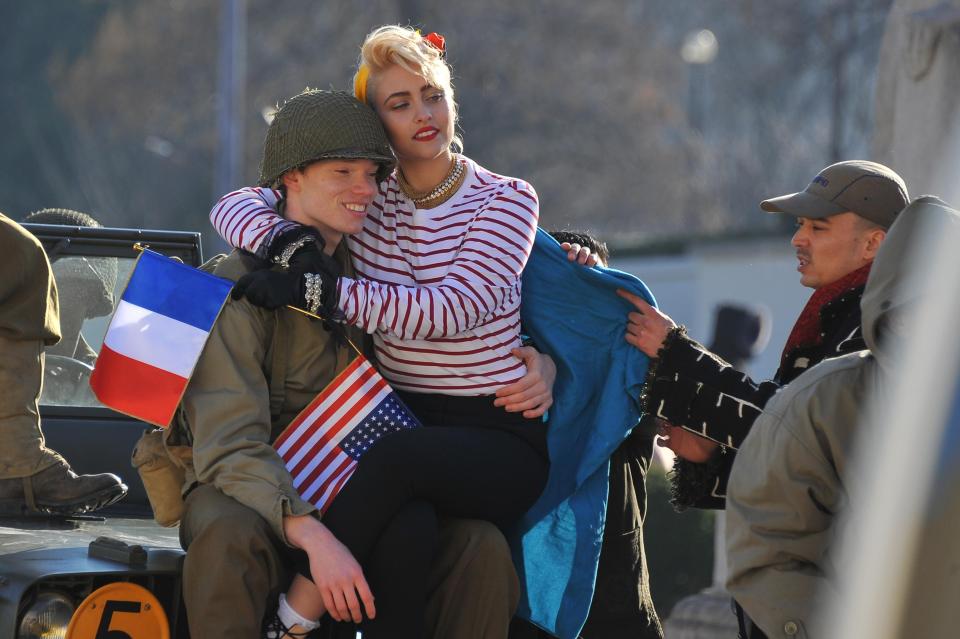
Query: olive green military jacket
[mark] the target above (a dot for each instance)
(788, 488)
(29, 320)
(227, 409)
(787, 491)
(29, 309)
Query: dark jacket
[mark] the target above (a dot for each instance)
(691, 387)
(622, 604)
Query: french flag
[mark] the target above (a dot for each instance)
(155, 337)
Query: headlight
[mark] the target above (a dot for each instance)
(47, 617)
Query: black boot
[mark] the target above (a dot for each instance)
(57, 490)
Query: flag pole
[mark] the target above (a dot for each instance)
(315, 316)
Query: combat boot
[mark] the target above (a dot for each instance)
(57, 490)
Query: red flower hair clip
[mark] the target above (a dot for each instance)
(437, 41)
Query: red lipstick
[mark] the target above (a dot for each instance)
(426, 134)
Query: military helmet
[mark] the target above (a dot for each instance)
(323, 125)
(97, 276)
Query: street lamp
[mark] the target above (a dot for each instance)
(699, 47)
(698, 50)
(231, 94)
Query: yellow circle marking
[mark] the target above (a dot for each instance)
(119, 610)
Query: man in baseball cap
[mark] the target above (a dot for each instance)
(842, 218)
(871, 190)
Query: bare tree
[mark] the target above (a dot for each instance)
(587, 101)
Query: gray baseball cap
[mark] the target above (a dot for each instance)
(872, 191)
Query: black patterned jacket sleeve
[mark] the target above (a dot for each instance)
(691, 387)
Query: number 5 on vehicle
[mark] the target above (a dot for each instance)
(119, 611)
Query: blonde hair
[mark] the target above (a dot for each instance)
(403, 46)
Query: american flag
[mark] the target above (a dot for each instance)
(322, 444)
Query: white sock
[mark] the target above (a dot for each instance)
(291, 617)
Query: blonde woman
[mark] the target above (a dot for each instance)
(438, 265)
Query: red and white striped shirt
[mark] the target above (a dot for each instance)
(438, 288)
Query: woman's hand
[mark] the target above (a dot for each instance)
(333, 569)
(532, 393)
(647, 329)
(685, 444)
(579, 254)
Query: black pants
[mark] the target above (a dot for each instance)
(471, 460)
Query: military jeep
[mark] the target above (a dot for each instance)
(115, 573)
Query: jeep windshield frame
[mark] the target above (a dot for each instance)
(70, 429)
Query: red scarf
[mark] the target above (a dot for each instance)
(806, 332)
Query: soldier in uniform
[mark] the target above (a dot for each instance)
(245, 526)
(85, 286)
(34, 478)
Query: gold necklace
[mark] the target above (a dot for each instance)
(440, 193)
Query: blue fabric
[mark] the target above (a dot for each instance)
(173, 289)
(574, 314)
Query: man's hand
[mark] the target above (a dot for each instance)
(648, 328)
(532, 393)
(685, 444)
(579, 254)
(333, 569)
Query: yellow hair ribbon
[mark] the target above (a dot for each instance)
(360, 83)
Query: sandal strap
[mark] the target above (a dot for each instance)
(277, 626)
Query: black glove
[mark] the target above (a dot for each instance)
(301, 249)
(270, 289)
(273, 288)
(296, 239)
(311, 259)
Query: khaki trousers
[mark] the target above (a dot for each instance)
(21, 376)
(236, 567)
(474, 589)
